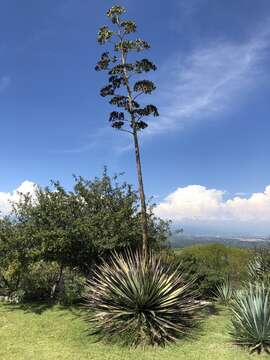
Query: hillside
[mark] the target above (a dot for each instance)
(180, 241)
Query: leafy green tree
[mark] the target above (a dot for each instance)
(112, 217)
(47, 220)
(125, 87)
(75, 229)
(15, 256)
(109, 212)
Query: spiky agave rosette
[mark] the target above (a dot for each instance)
(224, 292)
(251, 317)
(141, 300)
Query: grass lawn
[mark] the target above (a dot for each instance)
(38, 332)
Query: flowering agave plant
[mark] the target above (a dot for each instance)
(126, 86)
(251, 317)
(137, 298)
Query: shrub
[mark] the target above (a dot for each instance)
(141, 300)
(212, 264)
(251, 317)
(38, 281)
(73, 287)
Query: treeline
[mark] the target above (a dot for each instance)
(52, 239)
(212, 264)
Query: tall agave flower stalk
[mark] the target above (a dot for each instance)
(251, 318)
(140, 300)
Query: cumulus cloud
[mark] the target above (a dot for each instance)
(7, 198)
(196, 204)
(208, 80)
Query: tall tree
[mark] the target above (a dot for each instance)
(125, 85)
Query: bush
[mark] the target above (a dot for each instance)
(141, 300)
(251, 318)
(212, 264)
(37, 282)
(74, 284)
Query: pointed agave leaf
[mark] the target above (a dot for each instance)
(251, 317)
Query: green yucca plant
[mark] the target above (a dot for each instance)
(224, 292)
(251, 317)
(143, 301)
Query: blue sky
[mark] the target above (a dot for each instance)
(213, 96)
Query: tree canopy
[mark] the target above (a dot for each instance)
(73, 229)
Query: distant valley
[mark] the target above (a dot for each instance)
(182, 240)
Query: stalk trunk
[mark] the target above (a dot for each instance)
(137, 153)
(141, 192)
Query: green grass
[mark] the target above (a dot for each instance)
(39, 332)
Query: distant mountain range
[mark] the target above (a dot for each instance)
(182, 240)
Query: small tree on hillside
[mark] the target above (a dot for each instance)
(125, 87)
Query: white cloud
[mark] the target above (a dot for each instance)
(6, 198)
(208, 81)
(196, 204)
(4, 83)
